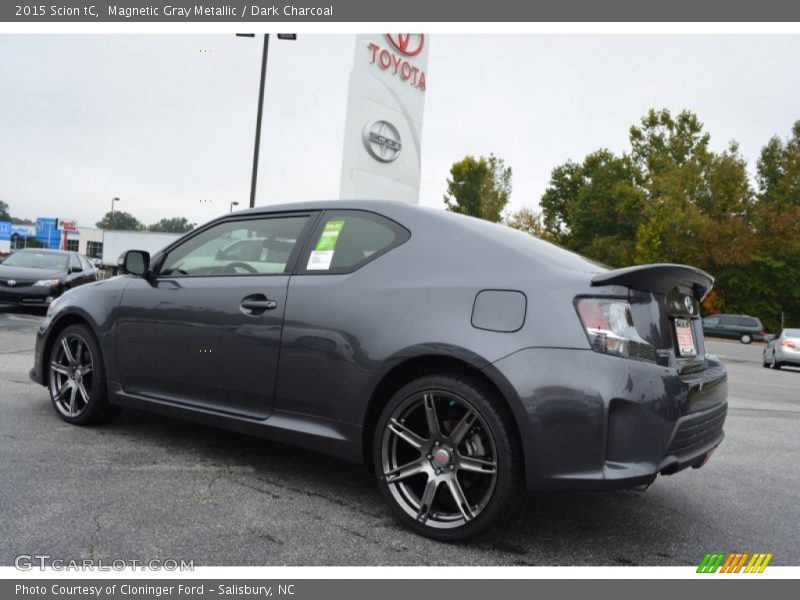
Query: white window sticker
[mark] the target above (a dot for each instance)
(320, 260)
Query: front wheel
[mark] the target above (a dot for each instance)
(76, 378)
(447, 457)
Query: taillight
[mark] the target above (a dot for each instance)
(761, 332)
(788, 344)
(609, 326)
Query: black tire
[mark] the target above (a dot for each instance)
(461, 403)
(746, 338)
(73, 404)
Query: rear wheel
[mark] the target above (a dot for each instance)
(76, 378)
(775, 363)
(745, 338)
(447, 458)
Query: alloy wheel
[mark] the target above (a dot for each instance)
(439, 459)
(71, 375)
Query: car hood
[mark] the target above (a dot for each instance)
(28, 273)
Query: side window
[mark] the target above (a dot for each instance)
(258, 246)
(74, 263)
(727, 320)
(346, 240)
(712, 320)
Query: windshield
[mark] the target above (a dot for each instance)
(37, 260)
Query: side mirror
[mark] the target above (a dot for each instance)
(134, 262)
(78, 269)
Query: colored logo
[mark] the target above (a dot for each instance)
(735, 562)
(382, 140)
(409, 44)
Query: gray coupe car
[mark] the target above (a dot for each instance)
(461, 360)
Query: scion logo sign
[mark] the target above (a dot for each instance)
(409, 44)
(382, 140)
(395, 60)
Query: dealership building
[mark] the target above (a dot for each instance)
(50, 232)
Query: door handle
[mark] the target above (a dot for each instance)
(257, 303)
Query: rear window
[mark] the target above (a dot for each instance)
(792, 332)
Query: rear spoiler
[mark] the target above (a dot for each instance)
(661, 278)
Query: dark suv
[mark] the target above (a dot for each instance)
(738, 327)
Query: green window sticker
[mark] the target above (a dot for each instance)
(322, 256)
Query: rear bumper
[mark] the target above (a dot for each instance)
(593, 421)
(787, 357)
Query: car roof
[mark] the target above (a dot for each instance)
(461, 227)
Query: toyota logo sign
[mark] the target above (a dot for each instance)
(11, 282)
(409, 44)
(382, 140)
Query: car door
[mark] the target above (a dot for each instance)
(329, 338)
(728, 327)
(76, 274)
(711, 326)
(206, 331)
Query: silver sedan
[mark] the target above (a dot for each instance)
(783, 350)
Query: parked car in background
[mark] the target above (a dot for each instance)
(35, 277)
(463, 360)
(744, 328)
(783, 350)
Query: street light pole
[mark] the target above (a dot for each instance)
(254, 180)
(233, 204)
(113, 201)
(262, 83)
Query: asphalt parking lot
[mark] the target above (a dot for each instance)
(152, 487)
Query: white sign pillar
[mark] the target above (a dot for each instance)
(383, 126)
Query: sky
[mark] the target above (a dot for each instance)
(166, 122)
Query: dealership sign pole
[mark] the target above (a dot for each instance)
(383, 126)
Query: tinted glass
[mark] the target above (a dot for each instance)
(747, 322)
(347, 240)
(241, 247)
(50, 261)
(711, 320)
(728, 321)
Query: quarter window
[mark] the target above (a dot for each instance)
(346, 240)
(240, 247)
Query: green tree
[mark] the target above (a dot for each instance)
(778, 171)
(479, 187)
(119, 220)
(530, 221)
(595, 207)
(172, 225)
(5, 215)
